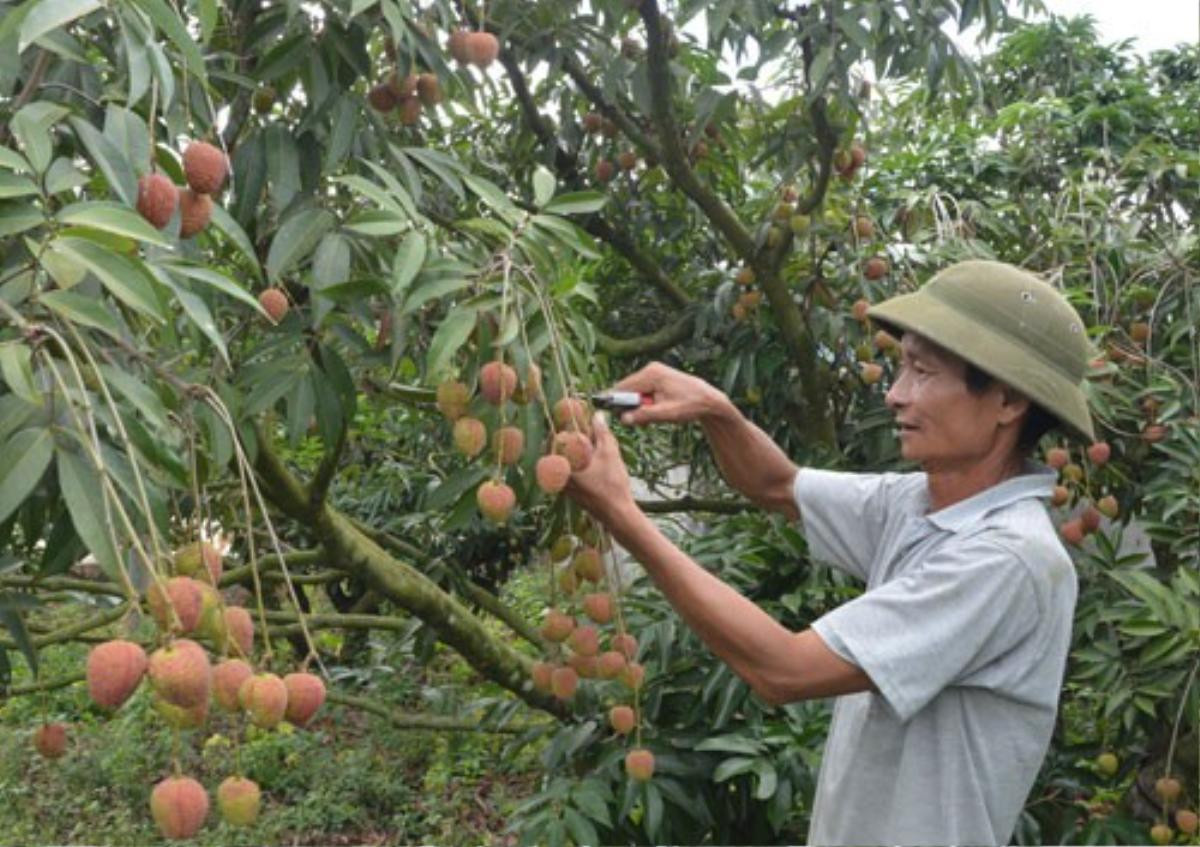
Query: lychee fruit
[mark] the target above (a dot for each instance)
(531, 387)
(1161, 834)
(563, 682)
(639, 764)
(864, 228)
(50, 740)
(195, 211)
(745, 276)
(205, 167)
(610, 664)
(212, 616)
(1099, 452)
(157, 199)
(568, 580)
(496, 501)
(584, 640)
(875, 267)
(410, 110)
(1139, 331)
(627, 160)
(305, 694)
(1107, 764)
(192, 717)
(507, 444)
(592, 123)
(605, 170)
(264, 99)
(201, 560)
(576, 447)
(1060, 495)
(1167, 788)
(228, 677)
(264, 696)
(589, 564)
(799, 223)
(557, 625)
(571, 413)
(482, 48)
(1057, 457)
(1090, 517)
(553, 473)
(497, 382)
(588, 667)
(453, 398)
(456, 45)
(541, 673)
(859, 309)
(114, 670)
(402, 86)
(870, 372)
(181, 594)
(633, 676)
(1072, 472)
(274, 303)
(179, 806)
(180, 673)
(598, 607)
(1186, 820)
(622, 719)
(382, 98)
(240, 627)
(884, 341)
(625, 644)
(238, 800)
(1153, 433)
(1072, 532)
(469, 436)
(429, 89)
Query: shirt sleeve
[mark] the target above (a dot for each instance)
(844, 515)
(957, 612)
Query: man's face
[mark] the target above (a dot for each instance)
(943, 425)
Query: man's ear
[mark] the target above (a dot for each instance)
(1014, 405)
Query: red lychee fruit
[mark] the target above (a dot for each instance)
(507, 444)
(585, 640)
(1060, 496)
(469, 436)
(50, 740)
(497, 382)
(239, 627)
(576, 447)
(884, 341)
(1057, 457)
(180, 673)
(541, 676)
(572, 414)
(410, 110)
(610, 664)
(402, 86)
(457, 46)
(557, 625)
(626, 645)
(605, 170)
(553, 473)
(1186, 821)
(622, 718)
(876, 267)
(563, 682)
(1099, 452)
(205, 167)
(179, 806)
(592, 123)
(180, 593)
(859, 309)
(1108, 506)
(496, 501)
(157, 199)
(482, 48)
(639, 764)
(1072, 531)
(589, 564)
(429, 89)
(1090, 518)
(264, 696)
(382, 98)
(453, 398)
(114, 671)
(627, 160)
(195, 211)
(633, 676)
(228, 677)
(201, 560)
(598, 607)
(238, 800)
(1167, 788)
(274, 303)
(745, 276)
(870, 372)
(305, 694)
(588, 667)
(864, 228)
(192, 717)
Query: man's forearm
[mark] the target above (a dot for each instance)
(749, 460)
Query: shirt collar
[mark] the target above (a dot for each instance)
(1036, 480)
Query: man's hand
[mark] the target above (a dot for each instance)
(676, 397)
(602, 488)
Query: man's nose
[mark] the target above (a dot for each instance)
(896, 395)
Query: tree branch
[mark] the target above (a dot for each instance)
(645, 345)
(693, 504)
(435, 723)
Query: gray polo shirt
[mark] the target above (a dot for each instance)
(964, 628)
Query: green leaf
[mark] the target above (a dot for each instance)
(122, 276)
(732, 767)
(490, 194)
(12, 160)
(407, 264)
(84, 493)
(85, 310)
(577, 203)
(543, 186)
(18, 217)
(283, 167)
(15, 185)
(768, 778)
(52, 14)
(173, 27)
(14, 622)
(216, 280)
(18, 373)
(114, 218)
(731, 743)
(454, 331)
(137, 393)
(654, 811)
(111, 161)
(23, 460)
(581, 828)
(232, 230)
(296, 239)
(198, 312)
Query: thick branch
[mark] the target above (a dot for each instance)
(693, 504)
(436, 723)
(645, 345)
(35, 79)
(318, 489)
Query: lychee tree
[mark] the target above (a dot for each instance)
(335, 277)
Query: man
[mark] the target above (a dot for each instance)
(947, 668)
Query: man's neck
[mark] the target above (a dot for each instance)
(951, 485)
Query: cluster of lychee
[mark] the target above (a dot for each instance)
(184, 682)
(575, 633)
(570, 447)
(1169, 790)
(205, 168)
(606, 169)
(1073, 476)
(406, 94)
(847, 160)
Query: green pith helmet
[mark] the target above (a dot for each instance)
(1009, 324)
